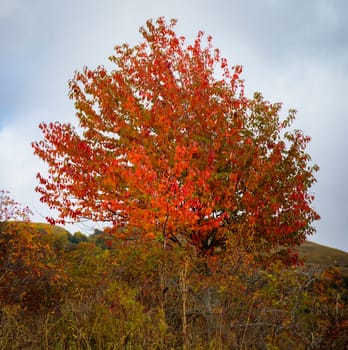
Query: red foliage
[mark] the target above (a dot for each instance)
(172, 148)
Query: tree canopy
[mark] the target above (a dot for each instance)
(170, 148)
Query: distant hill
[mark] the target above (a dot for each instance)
(48, 229)
(318, 254)
(42, 228)
(314, 253)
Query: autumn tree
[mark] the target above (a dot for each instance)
(170, 148)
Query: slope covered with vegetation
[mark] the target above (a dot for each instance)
(319, 254)
(98, 293)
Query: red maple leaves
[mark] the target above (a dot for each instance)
(168, 149)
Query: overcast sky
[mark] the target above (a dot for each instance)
(293, 51)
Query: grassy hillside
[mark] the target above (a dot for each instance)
(42, 228)
(314, 253)
(318, 254)
(48, 229)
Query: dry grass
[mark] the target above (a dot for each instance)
(314, 253)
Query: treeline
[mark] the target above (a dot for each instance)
(71, 291)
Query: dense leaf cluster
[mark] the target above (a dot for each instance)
(169, 148)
